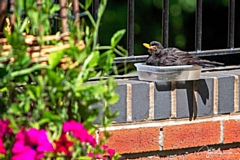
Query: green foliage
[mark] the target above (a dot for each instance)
(54, 58)
(44, 96)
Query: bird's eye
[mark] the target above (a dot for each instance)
(154, 47)
(154, 44)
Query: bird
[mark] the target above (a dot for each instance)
(160, 56)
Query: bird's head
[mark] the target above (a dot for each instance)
(154, 46)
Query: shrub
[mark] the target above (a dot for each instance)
(47, 103)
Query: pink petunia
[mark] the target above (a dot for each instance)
(79, 132)
(31, 145)
(2, 148)
(72, 126)
(111, 152)
(98, 156)
(4, 127)
(105, 147)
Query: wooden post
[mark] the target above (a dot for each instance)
(63, 13)
(3, 11)
(76, 12)
(12, 16)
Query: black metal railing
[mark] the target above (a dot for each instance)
(165, 32)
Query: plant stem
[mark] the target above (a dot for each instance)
(29, 70)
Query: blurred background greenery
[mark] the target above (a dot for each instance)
(148, 23)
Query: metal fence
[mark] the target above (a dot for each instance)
(165, 32)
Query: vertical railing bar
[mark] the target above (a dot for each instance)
(130, 28)
(198, 26)
(95, 4)
(231, 20)
(54, 20)
(165, 23)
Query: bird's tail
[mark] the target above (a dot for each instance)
(207, 63)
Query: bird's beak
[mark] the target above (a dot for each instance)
(149, 47)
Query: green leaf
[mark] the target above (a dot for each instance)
(4, 89)
(27, 106)
(54, 8)
(84, 158)
(34, 16)
(117, 37)
(51, 116)
(43, 121)
(43, 17)
(24, 24)
(106, 60)
(94, 61)
(101, 8)
(93, 115)
(14, 109)
(91, 61)
(30, 93)
(88, 4)
(28, 70)
(113, 99)
(3, 72)
(54, 58)
(29, 3)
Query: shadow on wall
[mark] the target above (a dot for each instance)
(190, 98)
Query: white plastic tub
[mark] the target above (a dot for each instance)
(168, 73)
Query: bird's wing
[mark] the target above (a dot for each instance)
(177, 57)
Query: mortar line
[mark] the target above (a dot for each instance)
(97, 136)
(221, 131)
(236, 93)
(129, 102)
(173, 100)
(195, 99)
(215, 95)
(172, 122)
(161, 138)
(151, 101)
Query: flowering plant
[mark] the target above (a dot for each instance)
(48, 111)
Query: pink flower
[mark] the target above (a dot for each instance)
(79, 132)
(105, 147)
(31, 145)
(98, 156)
(2, 149)
(4, 127)
(111, 152)
(91, 154)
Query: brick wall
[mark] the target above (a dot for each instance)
(178, 120)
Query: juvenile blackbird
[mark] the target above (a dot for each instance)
(160, 56)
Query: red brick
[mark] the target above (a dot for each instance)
(134, 140)
(231, 131)
(191, 135)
